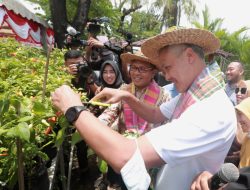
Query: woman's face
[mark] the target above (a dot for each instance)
(141, 73)
(109, 74)
(241, 93)
(244, 121)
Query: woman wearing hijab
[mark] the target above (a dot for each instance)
(110, 75)
(243, 116)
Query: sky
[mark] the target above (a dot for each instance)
(234, 12)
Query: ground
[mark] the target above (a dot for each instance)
(85, 181)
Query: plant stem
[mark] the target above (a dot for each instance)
(46, 73)
(20, 164)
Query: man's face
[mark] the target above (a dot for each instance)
(71, 61)
(233, 72)
(141, 73)
(71, 65)
(176, 68)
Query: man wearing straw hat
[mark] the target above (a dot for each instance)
(201, 119)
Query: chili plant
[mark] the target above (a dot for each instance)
(24, 116)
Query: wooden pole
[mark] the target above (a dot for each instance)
(20, 164)
(46, 73)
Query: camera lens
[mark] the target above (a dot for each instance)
(83, 70)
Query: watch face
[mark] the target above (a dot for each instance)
(71, 114)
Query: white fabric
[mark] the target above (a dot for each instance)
(199, 140)
(2, 13)
(21, 30)
(134, 173)
(24, 32)
(50, 39)
(167, 108)
(36, 35)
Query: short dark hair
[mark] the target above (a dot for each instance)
(71, 54)
(197, 49)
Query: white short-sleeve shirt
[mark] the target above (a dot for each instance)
(199, 140)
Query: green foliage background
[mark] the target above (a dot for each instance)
(23, 113)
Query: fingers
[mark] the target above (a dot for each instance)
(72, 69)
(99, 96)
(201, 182)
(64, 97)
(94, 43)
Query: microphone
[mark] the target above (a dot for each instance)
(227, 173)
(71, 31)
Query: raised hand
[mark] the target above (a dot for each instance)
(110, 95)
(64, 97)
(72, 69)
(92, 42)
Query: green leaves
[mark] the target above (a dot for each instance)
(26, 118)
(22, 109)
(20, 131)
(76, 137)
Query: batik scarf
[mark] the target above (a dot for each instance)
(206, 84)
(131, 119)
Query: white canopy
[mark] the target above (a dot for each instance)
(19, 8)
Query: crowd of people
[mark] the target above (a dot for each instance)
(181, 133)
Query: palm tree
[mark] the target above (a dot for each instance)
(170, 11)
(208, 24)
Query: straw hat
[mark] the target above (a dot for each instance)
(244, 107)
(203, 38)
(127, 58)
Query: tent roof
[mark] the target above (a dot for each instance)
(18, 7)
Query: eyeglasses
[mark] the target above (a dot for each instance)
(140, 69)
(241, 90)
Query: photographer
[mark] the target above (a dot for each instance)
(85, 79)
(99, 49)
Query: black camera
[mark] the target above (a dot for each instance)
(94, 27)
(83, 70)
(73, 38)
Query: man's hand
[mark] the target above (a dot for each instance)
(72, 69)
(201, 181)
(64, 97)
(92, 42)
(111, 96)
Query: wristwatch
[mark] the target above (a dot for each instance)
(73, 113)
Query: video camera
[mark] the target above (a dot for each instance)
(93, 27)
(73, 38)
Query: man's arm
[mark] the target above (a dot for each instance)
(151, 114)
(108, 144)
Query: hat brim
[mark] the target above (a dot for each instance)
(127, 58)
(202, 38)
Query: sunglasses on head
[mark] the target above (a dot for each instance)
(241, 90)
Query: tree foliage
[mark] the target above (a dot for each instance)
(169, 11)
(236, 42)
